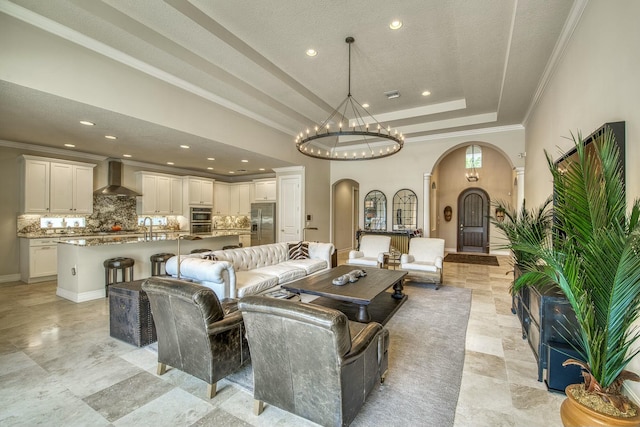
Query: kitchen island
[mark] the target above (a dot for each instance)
(81, 274)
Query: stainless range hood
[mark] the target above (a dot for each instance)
(114, 183)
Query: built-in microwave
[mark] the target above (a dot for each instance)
(201, 220)
(201, 214)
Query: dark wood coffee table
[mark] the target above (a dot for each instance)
(362, 301)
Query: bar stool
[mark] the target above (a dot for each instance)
(197, 251)
(157, 261)
(111, 267)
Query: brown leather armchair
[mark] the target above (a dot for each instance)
(312, 361)
(196, 333)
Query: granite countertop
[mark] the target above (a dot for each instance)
(100, 240)
(171, 234)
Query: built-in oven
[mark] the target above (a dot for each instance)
(201, 220)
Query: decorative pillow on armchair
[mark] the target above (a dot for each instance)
(298, 250)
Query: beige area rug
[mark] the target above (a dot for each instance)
(425, 361)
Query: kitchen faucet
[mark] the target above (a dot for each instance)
(148, 236)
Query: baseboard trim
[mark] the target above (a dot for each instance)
(80, 297)
(10, 278)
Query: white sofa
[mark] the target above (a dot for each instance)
(253, 270)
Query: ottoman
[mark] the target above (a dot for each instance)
(130, 318)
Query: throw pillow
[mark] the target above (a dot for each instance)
(298, 250)
(211, 257)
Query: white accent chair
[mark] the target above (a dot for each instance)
(372, 251)
(424, 261)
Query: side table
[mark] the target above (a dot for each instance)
(392, 260)
(130, 317)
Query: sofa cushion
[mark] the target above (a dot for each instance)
(284, 273)
(420, 266)
(298, 250)
(370, 261)
(252, 282)
(309, 265)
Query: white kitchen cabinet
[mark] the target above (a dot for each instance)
(239, 199)
(71, 188)
(265, 190)
(56, 186)
(221, 198)
(198, 191)
(176, 196)
(35, 185)
(38, 259)
(161, 194)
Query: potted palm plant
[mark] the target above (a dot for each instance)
(532, 225)
(592, 256)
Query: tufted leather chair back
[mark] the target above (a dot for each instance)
(255, 256)
(305, 362)
(196, 333)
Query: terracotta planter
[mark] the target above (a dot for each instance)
(574, 414)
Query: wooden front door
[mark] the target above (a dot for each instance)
(473, 221)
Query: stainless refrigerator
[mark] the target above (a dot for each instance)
(263, 223)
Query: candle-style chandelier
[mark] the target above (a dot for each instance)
(349, 133)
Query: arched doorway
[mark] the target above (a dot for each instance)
(473, 221)
(346, 214)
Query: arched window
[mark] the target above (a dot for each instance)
(473, 159)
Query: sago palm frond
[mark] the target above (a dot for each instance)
(593, 256)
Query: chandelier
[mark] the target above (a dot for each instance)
(349, 133)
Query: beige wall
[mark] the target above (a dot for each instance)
(407, 168)
(495, 179)
(595, 82)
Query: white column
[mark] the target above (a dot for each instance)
(519, 188)
(426, 208)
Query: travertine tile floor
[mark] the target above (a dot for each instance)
(58, 362)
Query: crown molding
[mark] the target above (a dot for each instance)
(51, 150)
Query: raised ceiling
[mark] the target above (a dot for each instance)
(482, 61)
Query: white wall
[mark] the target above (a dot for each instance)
(595, 82)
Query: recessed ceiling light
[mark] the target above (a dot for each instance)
(261, 169)
(210, 168)
(211, 158)
(426, 93)
(69, 145)
(184, 146)
(87, 123)
(395, 24)
(311, 52)
(126, 155)
(244, 161)
(231, 172)
(365, 105)
(110, 137)
(170, 163)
